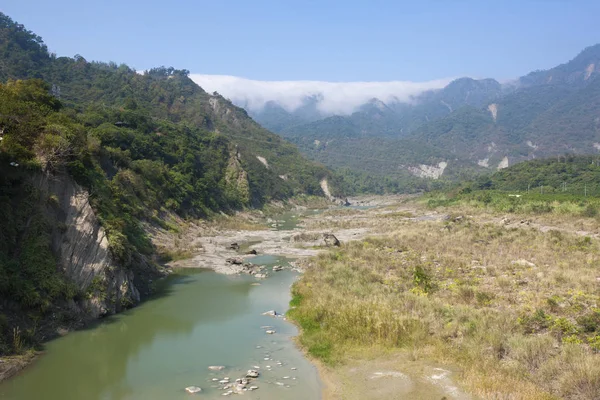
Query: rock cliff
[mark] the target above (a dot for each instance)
(81, 247)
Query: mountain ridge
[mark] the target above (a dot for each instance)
(478, 121)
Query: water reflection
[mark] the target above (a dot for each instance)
(93, 363)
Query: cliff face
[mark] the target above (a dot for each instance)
(237, 178)
(82, 250)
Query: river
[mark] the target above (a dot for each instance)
(198, 319)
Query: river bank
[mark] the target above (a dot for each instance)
(456, 303)
(215, 249)
(300, 234)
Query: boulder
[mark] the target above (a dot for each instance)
(271, 313)
(253, 252)
(523, 263)
(239, 388)
(330, 240)
(193, 389)
(234, 246)
(277, 268)
(252, 373)
(216, 367)
(234, 261)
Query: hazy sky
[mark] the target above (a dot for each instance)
(319, 40)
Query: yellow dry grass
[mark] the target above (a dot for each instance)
(515, 308)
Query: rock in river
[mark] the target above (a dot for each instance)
(252, 373)
(193, 389)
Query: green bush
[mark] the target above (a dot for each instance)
(590, 322)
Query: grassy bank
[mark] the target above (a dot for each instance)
(516, 309)
(518, 202)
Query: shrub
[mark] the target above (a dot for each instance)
(536, 322)
(422, 279)
(590, 322)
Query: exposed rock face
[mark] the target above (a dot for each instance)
(493, 109)
(530, 144)
(263, 161)
(325, 189)
(588, 71)
(484, 162)
(82, 250)
(429, 171)
(236, 178)
(503, 164)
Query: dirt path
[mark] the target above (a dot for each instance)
(392, 377)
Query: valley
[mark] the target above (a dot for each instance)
(475, 126)
(319, 229)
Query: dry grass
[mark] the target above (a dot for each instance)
(297, 202)
(235, 223)
(516, 309)
(379, 220)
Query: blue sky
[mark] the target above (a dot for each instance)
(319, 40)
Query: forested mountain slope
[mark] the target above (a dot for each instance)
(89, 151)
(470, 121)
(571, 174)
(551, 112)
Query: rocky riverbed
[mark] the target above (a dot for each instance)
(202, 320)
(231, 251)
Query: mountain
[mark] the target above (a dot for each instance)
(276, 118)
(575, 73)
(375, 134)
(550, 112)
(467, 123)
(377, 118)
(92, 156)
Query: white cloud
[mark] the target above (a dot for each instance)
(335, 97)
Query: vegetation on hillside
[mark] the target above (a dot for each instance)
(564, 185)
(545, 113)
(142, 145)
(548, 113)
(378, 165)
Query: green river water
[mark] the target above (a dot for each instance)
(157, 349)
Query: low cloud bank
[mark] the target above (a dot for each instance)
(333, 97)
